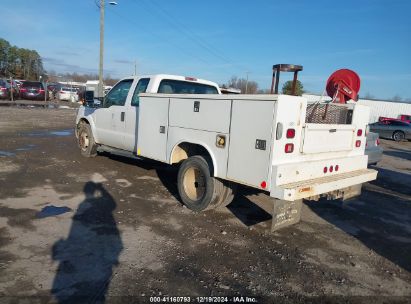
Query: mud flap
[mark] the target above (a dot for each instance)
(351, 192)
(285, 213)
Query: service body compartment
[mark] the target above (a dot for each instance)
(318, 138)
(251, 141)
(153, 128)
(200, 114)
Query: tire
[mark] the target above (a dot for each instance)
(86, 143)
(228, 194)
(398, 136)
(198, 189)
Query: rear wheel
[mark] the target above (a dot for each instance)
(87, 145)
(398, 136)
(198, 189)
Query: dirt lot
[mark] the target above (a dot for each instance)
(122, 236)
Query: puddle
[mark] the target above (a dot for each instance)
(66, 132)
(62, 133)
(6, 153)
(52, 211)
(26, 148)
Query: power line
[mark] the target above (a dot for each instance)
(183, 50)
(174, 22)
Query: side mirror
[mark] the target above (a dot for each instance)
(90, 101)
(89, 96)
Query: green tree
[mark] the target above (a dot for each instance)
(19, 62)
(288, 85)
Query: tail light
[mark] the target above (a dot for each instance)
(337, 167)
(61, 92)
(3, 89)
(23, 90)
(377, 142)
(41, 91)
(359, 132)
(331, 168)
(325, 170)
(358, 143)
(290, 133)
(289, 148)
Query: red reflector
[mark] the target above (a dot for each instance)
(331, 168)
(359, 132)
(263, 184)
(337, 167)
(289, 148)
(325, 169)
(377, 142)
(290, 133)
(358, 143)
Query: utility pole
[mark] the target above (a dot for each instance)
(246, 83)
(100, 70)
(135, 67)
(12, 88)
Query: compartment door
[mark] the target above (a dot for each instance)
(251, 141)
(153, 128)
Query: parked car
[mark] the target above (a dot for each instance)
(32, 90)
(14, 88)
(69, 94)
(393, 129)
(373, 148)
(5, 89)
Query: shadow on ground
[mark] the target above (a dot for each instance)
(91, 250)
(244, 209)
(380, 219)
(399, 153)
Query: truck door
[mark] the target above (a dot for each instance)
(110, 119)
(132, 115)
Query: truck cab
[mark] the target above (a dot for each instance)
(115, 122)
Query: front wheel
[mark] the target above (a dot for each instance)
(198, 189)
(87, 145)
(398, 136)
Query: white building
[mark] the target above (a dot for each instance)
(378, 107)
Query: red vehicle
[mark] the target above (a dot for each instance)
(381, 118)
(406, 118)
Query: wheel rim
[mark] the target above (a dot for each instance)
(84, 141)
(194, 184)
(397, 136)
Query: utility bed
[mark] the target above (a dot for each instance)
(269, 144)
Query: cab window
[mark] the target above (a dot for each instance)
(168, 86)
(118, 94)
(140, 88)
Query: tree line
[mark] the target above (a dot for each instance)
(251, 87)
(19, 63)
(76, 77)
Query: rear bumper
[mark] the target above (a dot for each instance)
(322, 185)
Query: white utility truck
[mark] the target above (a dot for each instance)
(275, 143)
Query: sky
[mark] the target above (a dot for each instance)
(216, 40)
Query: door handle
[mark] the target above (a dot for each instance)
(123, 114)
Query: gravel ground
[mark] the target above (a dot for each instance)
(112, 229)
